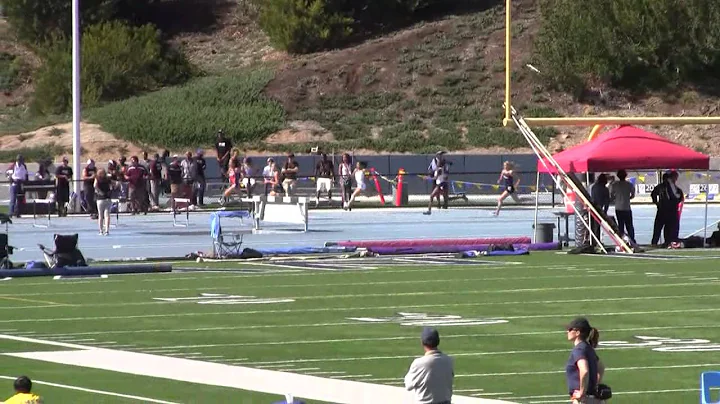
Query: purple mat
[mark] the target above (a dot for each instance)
(457, 248)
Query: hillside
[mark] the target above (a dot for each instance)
(436, 84)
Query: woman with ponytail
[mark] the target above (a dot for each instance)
(584, 369)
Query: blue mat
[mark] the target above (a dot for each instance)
(306, 250)
(85, 271)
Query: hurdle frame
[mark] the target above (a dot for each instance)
(46, 201)
(260, 202)
(187, 213)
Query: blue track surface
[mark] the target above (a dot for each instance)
(155, 236)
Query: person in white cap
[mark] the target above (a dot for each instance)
(430, 377)
(88, 178)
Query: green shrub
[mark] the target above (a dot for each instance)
(10, 70)
(117, 61)
(49, 151)
(638, 44)
(189, 115)
(37, 21)
(301, 26)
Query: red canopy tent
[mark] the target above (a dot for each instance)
(629, 148)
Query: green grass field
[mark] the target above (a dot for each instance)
(520, 359)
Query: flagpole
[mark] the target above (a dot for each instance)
(76, 96)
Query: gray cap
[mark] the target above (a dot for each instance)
(430, 337)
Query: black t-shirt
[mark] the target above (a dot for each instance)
(89, 171)
(222, 146)
(174, 172)
(200, 166)
(289, 175)
(66, 171)
(325, 169)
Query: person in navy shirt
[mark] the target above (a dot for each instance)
(584, 370)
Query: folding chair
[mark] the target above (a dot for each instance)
(227, 245)
(5, 251)
(66, 253)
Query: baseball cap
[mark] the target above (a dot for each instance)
(580, 323)
(430, 337)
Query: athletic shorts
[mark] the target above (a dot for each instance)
(324, 184)
(361, 186)
(510, 189)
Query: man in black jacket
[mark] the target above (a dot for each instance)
(667, 197)
(600, 195)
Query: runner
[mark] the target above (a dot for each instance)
(509, 185)
(440, 177)
(360, 186)
(346, 171)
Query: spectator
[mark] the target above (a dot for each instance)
(155, 169)
(23, 394)
(103, 185)
(659, 223)
(18, 177)
(63, 176)
(42, 174)
(188, 174)
(223, 148)
(601, 199)
(248, 176)
(136, 177)
(346, 171)
(622, 192)
(289, 173)
(677, 198)
(88, 178)
(430, 377)
(198, 197)
(325, 177)
(584, 370)
(268, 175)
(175, 178)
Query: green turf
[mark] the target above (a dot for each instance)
(521, 360)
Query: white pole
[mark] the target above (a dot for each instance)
(707, 196)
(76, 95)
(537, 203)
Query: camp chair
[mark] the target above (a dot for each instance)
(66, 253)
(228, 245)
(5, 252)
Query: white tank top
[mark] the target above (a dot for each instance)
(360, 177)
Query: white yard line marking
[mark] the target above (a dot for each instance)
(332, 309)
(191, 314)
(217, 374)
(709, 326)
(104, 393)
(504, 393)
(345, 323)
(325, 373)
(468, 390)
(350, 376)
(277, 366)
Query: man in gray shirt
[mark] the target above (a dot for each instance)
(622, 192)
(430, 377)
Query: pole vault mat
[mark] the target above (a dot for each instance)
(368, 263)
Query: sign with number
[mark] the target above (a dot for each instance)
(696, 189)
(644, 188)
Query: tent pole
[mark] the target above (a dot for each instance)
(537, 203)
(707, 196)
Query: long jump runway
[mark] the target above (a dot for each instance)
(154, 235)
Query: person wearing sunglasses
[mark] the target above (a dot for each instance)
(584, 370)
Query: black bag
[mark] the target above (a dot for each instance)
(500, 247)
(603, 392)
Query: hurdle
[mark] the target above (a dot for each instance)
(49, 203)
(186, 201)
(278, 209)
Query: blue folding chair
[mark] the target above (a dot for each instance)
(709, 380)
